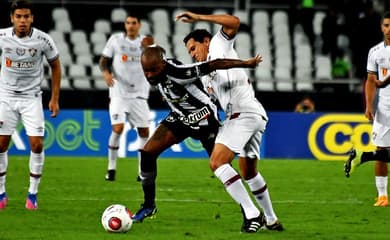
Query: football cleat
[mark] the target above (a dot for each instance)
(31, 201)
(138, 179)
(276, 226)
(110, 175)
(353, 161)
(382, 201)
(144, 212)
(252, 225)
(3, 200)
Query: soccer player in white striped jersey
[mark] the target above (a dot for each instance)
(23, 51)
(246, 120)
(128, 88)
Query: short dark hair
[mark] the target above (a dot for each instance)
(198, 35)
(20, 4)
(134, 15)
(386, 15)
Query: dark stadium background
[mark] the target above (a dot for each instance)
(328, 97)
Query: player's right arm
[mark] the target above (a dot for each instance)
(104, 64)
(370, 92)
(229, 23)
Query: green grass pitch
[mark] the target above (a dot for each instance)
(313, 199)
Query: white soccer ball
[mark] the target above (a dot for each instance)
(117, 218)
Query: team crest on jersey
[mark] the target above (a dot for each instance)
(33, 52)
(20, 51)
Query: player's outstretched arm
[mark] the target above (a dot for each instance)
(223, 63)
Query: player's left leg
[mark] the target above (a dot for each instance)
(381, 179)
(259, 189)
(143, 135)
(4, 142)
(33, 120)
(36, 162)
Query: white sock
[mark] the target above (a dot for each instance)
(3, 169)
(234, 186)
(142, 142)
(259, 189)
(113, 144)
(36, 167)
(381, 185)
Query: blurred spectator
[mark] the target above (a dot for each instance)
(341, 67)
(366, 34)
(330, 31)
(306, 16)
(306, 105)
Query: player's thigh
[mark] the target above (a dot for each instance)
(381, 128)
(9, 117)
(117, 110)
(138, 113)
(31, 113)
(236, 133)
(162, 139)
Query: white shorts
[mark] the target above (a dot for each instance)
(135, 110)
(381, 126)
(243, 134)
(29, 111)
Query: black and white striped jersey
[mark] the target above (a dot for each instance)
(184, 92)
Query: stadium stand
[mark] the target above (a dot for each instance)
(289, 64)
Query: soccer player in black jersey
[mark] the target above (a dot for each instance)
(193, 113)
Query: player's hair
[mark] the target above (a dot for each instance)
(386, 15)
(134, 15)
(198, 35)
(21, 4)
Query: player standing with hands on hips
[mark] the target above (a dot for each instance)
(128, 88)
(244, 125)
(23, 49)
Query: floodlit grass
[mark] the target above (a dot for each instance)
(313, 199)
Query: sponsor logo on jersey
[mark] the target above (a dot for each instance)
(195, 116)
(15, 64)
(126, 58)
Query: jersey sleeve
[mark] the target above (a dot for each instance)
(108, 50)
(371, 64)
(50, 49)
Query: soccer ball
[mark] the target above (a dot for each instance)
(117, 218)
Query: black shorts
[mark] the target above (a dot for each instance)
(205, 134)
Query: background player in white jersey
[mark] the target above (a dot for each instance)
(246, 120)
(378, 76)
(128, 88)
(24, 48)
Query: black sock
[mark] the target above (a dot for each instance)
(149, 194)
(379, 155)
